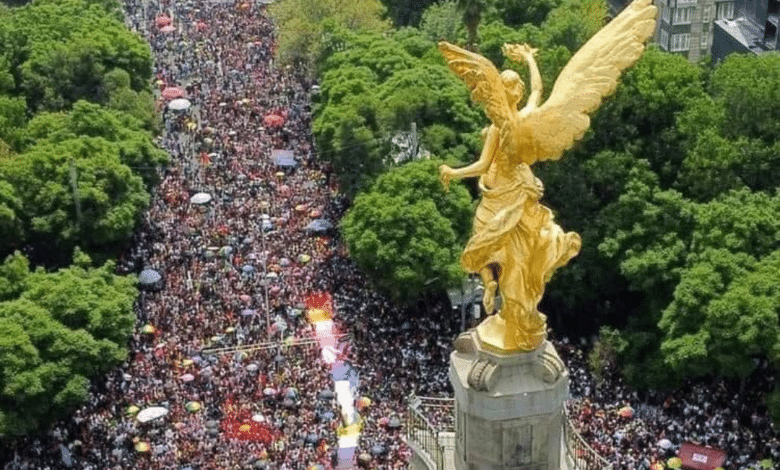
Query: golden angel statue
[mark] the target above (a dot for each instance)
(516, 245)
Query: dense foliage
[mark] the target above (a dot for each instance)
(76, 163)
(406, 233)
(60, 330)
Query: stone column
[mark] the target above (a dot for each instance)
(508, 408)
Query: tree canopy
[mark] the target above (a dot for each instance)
(60, 330)
(406, 233)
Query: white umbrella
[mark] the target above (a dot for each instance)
(151, 413)
(179, 104)
(200, 198)
(665, 444)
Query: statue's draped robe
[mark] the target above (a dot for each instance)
(512, 229)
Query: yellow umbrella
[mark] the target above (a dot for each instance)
(280, 174)
(192, 406)
(363, 403)
(674, 462)
(187, 362)
(657, 466)
(142, 447)
(149, 329)
(191, 125)
(132, 409)
(245, 428)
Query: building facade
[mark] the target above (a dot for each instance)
(686, 26)
(754, 30)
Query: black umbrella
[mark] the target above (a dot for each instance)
(327, 395)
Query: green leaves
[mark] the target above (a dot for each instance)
(59, 330)
(406, 233)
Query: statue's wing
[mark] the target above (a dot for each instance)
(589, 76)
(484, 81)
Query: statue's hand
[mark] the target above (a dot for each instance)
(489, 297)
(519, 52)
(445, 175)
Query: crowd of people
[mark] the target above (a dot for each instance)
(237, 271)
(716, 414)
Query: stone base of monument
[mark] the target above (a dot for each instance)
(508, 408)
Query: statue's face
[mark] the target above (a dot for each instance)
(515, 94)
(514, 87)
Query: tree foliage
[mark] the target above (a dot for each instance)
(60, 51)
(406, 233)
(60, 330)
(303, 25)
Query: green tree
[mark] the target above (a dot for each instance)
(472, 11)
(62, 330)
(406, 233)
(303, 25)
(441, 21)
(75, 192)
(60, 50)
(131, 136)
(516, 13)
(407, 12)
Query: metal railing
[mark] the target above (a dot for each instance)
(580, 454)
(423, 427)
(428, 417)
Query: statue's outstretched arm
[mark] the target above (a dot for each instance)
(536, 83)
(477, 168)
(524, 53)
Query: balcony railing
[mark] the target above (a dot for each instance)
(429, 417)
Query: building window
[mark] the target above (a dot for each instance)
(680, 42)
(663, 40)
(665, 13)
(725, 10)
(704, 40)
(683, 15)
(706, 14)
(681, 3)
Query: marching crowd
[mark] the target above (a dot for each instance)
(233, 278)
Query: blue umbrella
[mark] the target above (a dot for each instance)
(327, 416)
(248, 311)
(319, 225)
(248, 268)
(149, 277)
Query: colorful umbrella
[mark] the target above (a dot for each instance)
(273, 120)
(315, 213)
(168, 29)
(626, 412)
(142, 447)
(304, 258)
(300, 208)
(187, 362)
(674, 462)
(363, 403)
(148, 329)
(172, 92)
(162, 20)
(192, 406)
(657, 466)
(187, 377)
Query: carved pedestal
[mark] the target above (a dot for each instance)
(508, 408)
